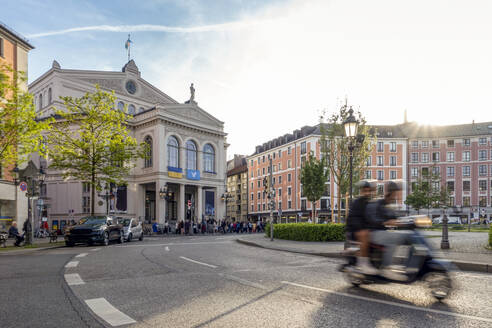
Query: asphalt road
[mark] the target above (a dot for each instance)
(212, 281)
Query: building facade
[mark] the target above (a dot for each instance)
(14, 51)
(237, 189)
(187, 156)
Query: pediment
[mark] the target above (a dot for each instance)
(194, 114)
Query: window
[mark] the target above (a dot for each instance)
(327, 191)
(482, 155)
(435, 157)
(303, 147)
(121, 106)
(414, 172)
(450, 185)
(380, 175)
(450, 171)
(368, 174)
(393, 147)
(252, 196)
(466, 171)
(482, 141)
(86, 187)
(451, 202)
(148, 157)
(436, 186)
(40, 101)
(415, 144)
(251, 162)
(482, 185)
(466, 185)
(324, 204)
(280, 205)
(482, 170)
(289, 164)
(1, 48)
(263, 171)
(259, 207)
(86, 204)
(273, 181)
(393, 161)
(289, 191)
(482, 201)
(279, 154)
(252, 208)
(450, 156)
(435, 143)
(259, 183)
(50, 96)
(274, 155)
(303, 205)
(303, 161)
(289, 177)
(172, 152)
(425, 157)
(259, 195)
(132, 110)
(415, 157)
(289, 204)
(466, 200)
(380, 146)
(393, 175)
(425, 171)
(380, 189)
(425, 144)
(369, 161)
(259, 159)
(279, 166)
(450, 143)
(279, 192)
(436, 170)
(280, 179)
(466, 142)
(289, 150)
(466, 156)
(380, 160)
(208, 158)
(263, 159)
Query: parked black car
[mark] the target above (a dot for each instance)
(94, 229)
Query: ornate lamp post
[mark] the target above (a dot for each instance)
(351, 125)
(15, 174)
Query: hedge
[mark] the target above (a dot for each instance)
(490, 235)
(308, 231)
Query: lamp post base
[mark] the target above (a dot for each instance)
(444, 244)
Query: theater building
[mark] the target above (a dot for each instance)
(184, 178)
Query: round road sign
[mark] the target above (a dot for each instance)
(23, 186)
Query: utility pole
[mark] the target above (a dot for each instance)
(271, 197)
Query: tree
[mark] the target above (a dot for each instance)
(90, 142)
(313, 179)
(334, 147)
(20, 132)
(427, 191)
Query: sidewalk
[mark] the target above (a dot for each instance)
(467, 249)
(40, 243)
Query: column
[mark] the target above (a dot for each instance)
(160, 205)
(199, 203)
(219, 209)
(181, 203)
(140, 202)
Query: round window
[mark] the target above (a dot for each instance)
(131, 87)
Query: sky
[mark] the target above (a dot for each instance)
(268, 67)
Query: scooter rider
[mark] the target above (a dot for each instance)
(357, 226)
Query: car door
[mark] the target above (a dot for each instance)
(111, 228)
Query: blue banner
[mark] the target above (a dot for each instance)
(175, 169)
(192, 174)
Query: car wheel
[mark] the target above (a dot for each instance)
(69, 244)
(141, 236)
(106, 239)
(122, 238)
(130, 236)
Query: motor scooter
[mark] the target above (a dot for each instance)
(420, 264)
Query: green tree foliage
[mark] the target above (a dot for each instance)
(313, 179)
(90, 141)
(427, 192)
(20, 132)
(335, 149)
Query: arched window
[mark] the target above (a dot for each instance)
(131, 109)
(121, 106)
(208, 158)
(173, 152)
(40, 101)
(148, 158)
(190, 155)
(50, 99)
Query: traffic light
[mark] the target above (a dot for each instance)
(265, 182)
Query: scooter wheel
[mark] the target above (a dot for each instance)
(439, 284)
(354, 279)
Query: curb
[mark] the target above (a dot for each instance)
(27, 251)
(465, 266)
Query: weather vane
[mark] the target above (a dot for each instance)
(127, 46)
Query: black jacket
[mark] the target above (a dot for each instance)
(377, 213)
(13, 232)
(357, 215)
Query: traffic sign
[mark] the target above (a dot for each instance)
(23, 186)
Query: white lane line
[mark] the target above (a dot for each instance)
(178, 244)
(167, 249)
(108, 313)
(209, 265)
(82, 255)
(95, 249)
(406, 306)
(72, 264)
(73, 279)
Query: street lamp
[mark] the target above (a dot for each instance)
(165, 193)
(15, 174)
(105, 196)
(351, 126)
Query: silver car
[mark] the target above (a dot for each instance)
(132, 228)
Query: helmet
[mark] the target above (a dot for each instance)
(366, 184)
(393, 186)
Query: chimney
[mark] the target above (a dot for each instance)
(405, 117)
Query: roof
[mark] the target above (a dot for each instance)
(237, 170)
(15, 35)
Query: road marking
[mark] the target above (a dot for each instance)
(407, 306)
(82, 255)
(209, 265)
(243, 281)
(108, 313)
(167, 249)
(72, 264)
(95, 249)
(177, 244)
(73, 279)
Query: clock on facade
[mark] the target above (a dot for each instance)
(131, 87)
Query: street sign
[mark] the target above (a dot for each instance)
(23, 186)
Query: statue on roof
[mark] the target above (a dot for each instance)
(192, 95)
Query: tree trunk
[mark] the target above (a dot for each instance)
(339, 204)
(93, 193)
(313, 211)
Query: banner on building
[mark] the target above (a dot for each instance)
(209, 203)
(193, 174)
(174, 172)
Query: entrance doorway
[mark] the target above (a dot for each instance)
(149, 206)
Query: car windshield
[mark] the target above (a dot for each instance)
(93, 220)
(124, 222)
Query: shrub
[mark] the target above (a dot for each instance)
(308, 231)
(490, 235)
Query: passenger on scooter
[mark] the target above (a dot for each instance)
(357, 226)
(379, 216)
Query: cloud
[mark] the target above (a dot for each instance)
(230, 26)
